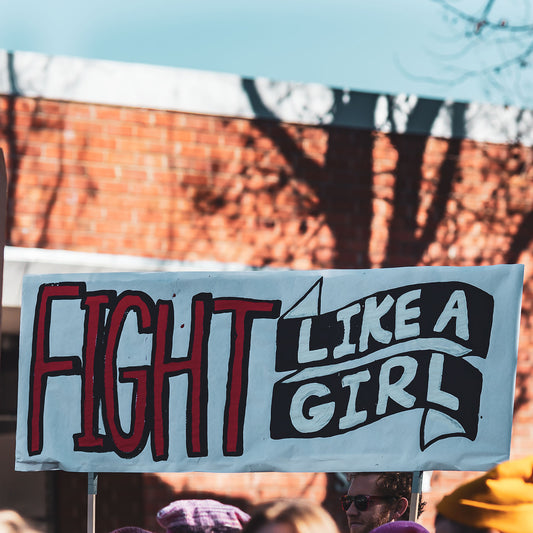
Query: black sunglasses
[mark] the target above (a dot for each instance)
(361, 501)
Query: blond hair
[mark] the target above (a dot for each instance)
(301, 516)
(12, 522)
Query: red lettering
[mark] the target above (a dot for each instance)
(105, 317)
(195, 365)
(94, 305)
(42, 365)
(244, 312)
(126, 444)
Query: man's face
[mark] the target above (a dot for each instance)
(378, 513)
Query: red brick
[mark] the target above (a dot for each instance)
(113, 179)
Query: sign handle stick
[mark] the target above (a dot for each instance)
(416, 492)
(91, 501)
(3, 217)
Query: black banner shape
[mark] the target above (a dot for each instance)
(395, 360)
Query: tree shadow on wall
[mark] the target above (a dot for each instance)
(408, 240)
(521, 240)
(521, 390)
(344, 183)
(18, 149)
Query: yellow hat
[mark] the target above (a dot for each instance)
(501, 499)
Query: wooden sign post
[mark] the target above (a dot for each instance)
(416, 493)
(92, 488)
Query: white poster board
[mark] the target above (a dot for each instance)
(403, 369)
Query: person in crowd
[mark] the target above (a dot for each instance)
(130, 529)
(374, 499)
(201, 516)
(291, 516)
(12, 522)
(401, 526)
(500, 501)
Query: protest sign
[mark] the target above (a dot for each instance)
(370, 370)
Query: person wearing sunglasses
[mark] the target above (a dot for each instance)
(374, 499)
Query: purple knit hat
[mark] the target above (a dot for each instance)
(130, 529)
(401, 526)
(201, 515)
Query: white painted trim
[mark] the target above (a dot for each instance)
(19, 262)
(195, 91)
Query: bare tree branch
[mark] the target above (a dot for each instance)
(492, 43)
(482, 21)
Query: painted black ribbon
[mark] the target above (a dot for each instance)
(417, 364)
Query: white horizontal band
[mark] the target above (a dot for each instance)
(194, 91)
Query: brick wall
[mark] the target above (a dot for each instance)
(175, 185)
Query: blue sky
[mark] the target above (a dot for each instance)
(371, 45)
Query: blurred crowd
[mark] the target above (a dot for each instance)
(499, 501)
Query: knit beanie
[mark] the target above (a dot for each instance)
(400, 526)
(196, 516)
(501, 499)
(130, 529)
